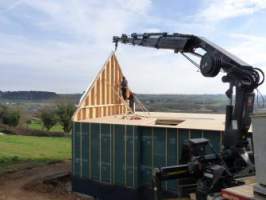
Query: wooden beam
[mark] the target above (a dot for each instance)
(108, 77)
(92, 95)
(103, 86)
(98, 92)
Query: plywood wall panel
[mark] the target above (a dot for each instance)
(103, 98)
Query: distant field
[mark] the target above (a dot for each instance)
(184, 103)
(37, 125)
(17, 150)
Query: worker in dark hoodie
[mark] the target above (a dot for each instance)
(131, 100)
(124, 88)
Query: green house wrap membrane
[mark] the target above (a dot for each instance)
(125, 155)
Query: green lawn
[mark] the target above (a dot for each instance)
(37, 125)
(16, 150)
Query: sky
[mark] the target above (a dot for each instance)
(60, 45)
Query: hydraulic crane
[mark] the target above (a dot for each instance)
(210, 171)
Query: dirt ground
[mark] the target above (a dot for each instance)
(32, 183)
(50, 182)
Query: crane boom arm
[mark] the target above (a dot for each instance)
(177, 42)
(239, 74)
(212, 172)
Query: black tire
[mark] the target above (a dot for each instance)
(202, 189)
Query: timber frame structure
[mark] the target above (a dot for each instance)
(103, 98)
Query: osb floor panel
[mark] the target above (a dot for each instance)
(191, 120)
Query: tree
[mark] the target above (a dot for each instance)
(64, 112)
(28, 123)
(11, 117)
(3, 110)
(48, 118)
(25, 117)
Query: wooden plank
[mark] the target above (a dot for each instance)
(83, 114)
(119, 109)
(87, 101)
(100, 89)
(104, 111)
(109, 111)
(79, 116)
(94, 112)
(117, 83)
(90, 113)
(116, 109)
(108, 83)
(112, 81)
(92, 95)
(112, 110)
(119, 79)
(103, 87)
(98, 92)
(101, 111)
(122, 109)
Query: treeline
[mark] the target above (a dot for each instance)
(49, 117)
(27, 95)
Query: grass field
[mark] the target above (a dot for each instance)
(18, 150)
(37, 125)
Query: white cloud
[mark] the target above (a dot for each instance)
(5, 6)
(138, 7)
(162, 71)
(69, 64)
(223, 9)
(91, 19)
(251, 48)
(46, 66)
(90, 26)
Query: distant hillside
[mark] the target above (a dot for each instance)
(28, 95)
(37, 96)
(184, 103)
(32, 101)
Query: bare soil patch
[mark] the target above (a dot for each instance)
(50, 182)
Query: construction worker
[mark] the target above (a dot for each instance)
(123, 86)
(131, 101)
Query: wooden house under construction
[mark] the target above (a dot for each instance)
(115, 150)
